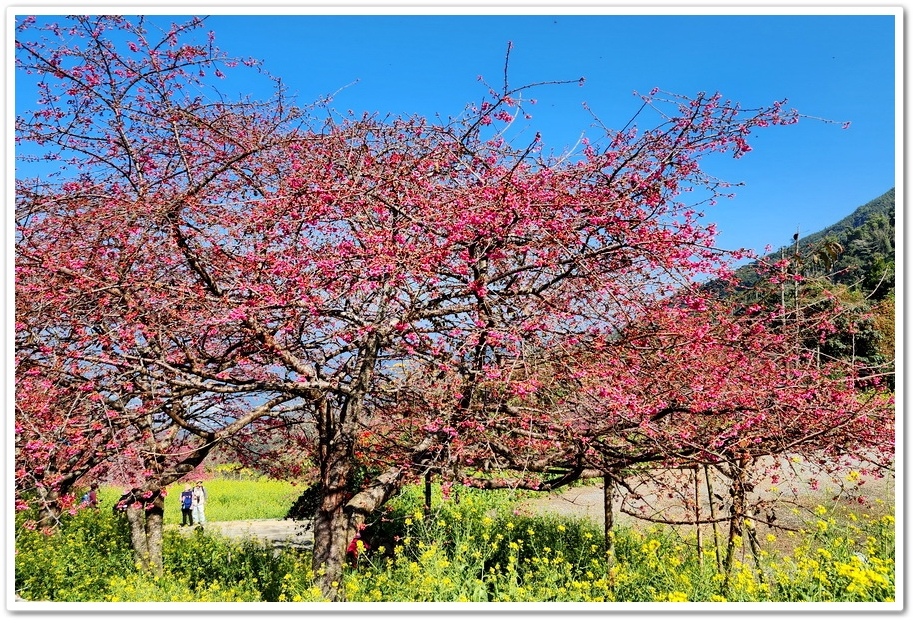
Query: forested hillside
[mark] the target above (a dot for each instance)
(857, 251)
(853, 262)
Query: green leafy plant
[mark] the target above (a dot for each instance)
(472, 546)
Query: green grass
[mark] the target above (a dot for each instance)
(237, 500)
(228, 499)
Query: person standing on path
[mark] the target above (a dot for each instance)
(198, 500)
(187, 498)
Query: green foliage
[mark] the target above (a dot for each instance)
(204, 560)
(306, 505)
(868, 261)
(88, 560)
(475, 548)
(75, 562)
(469, 547)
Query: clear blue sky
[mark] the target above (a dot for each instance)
(803, 177)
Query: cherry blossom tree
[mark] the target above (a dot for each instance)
(114, 134)
(58, 440)
(393, 289)
(677, 389)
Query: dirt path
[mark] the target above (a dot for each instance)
(279, 533)
(782, 500)
(786, 502)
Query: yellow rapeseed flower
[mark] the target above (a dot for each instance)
(676, 596)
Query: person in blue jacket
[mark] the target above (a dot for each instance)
(186, 499)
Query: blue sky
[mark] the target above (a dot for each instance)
(803, 177)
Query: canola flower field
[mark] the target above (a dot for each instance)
(471, 547)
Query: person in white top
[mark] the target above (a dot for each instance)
(198, 500)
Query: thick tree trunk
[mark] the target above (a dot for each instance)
(49, 509)
(338, 423)
(154, 538)
(136, 520)
(339, 512)
(330, 551)
(145, 508)
(337, 529)
(146, 533)
(331, 525)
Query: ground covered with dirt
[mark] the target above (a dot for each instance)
(671, 500)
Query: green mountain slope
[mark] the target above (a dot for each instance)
(857, 251)
(853, 260)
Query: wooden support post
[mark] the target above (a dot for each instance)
(712, 515)
(609, 490)
(696, 513)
